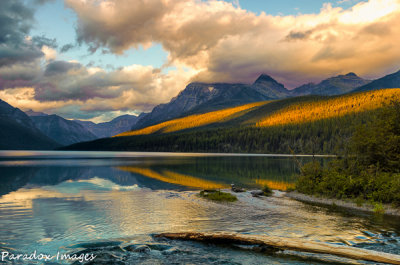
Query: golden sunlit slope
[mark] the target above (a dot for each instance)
(331, 107)
(196, 120)
(279, 112)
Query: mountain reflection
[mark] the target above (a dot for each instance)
(175, 178)
(162, 173)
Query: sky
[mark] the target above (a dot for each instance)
(98, 59)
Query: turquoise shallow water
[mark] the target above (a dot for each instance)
(111, 204)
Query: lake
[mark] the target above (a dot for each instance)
(110, 204)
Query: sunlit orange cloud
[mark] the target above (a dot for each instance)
(227, 43)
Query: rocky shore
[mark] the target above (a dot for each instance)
(366, 207)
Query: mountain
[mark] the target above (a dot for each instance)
(337, 85)
(63, 131)
(388, 81)
(203, 97)
(18, 132)
(106, 129)
(269, 87)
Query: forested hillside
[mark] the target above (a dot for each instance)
(331, 107)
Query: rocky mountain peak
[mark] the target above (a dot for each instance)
(265, 78)
(351, 74)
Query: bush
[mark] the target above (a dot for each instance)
(378, 208)
(311, 175)
(220, 196)
(267, 191)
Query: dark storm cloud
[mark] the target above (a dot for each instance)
(16, 20)
(60, 67)
(10, 55)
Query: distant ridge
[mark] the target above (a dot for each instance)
(336, 85)
(116, 126)
(63, 131)
(17, 131)
(388, 81)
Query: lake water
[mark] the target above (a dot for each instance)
(111, 204)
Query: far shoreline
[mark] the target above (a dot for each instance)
(38, 153)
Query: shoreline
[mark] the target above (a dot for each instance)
(366, 207)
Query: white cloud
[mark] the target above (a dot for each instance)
(49, 53)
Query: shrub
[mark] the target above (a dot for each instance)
(311, 175)
(378, 208)
(220, 196)
(267, 191)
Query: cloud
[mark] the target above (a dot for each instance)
(41, 41)
(227, 43)
(16, 21)
(67, 47)
(50, 54)
(75, 91)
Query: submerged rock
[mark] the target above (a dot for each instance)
(237, 189)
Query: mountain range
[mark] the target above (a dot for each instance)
(37, 130)
(204, 97)
(42, 131)
(67, 132)
(116, 126)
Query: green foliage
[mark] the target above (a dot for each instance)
(378, 143)
(369, 167)
(267, 191)
(310, 178)
(359, 201)
(378, 208)
(219, 196)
